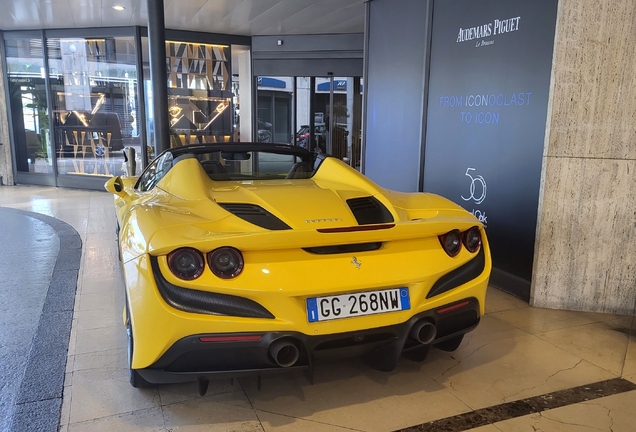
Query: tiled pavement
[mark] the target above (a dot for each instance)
(516, 352)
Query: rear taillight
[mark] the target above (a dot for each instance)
(186, 263)
(451, 242)
(226, 262)
(472, 239)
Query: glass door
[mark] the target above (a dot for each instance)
(29, 110)
(321, 114)
(93, 85)
(338, 104)
(274, 110)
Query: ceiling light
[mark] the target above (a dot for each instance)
(118, 8)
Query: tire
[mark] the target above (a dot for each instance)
(136, 380)
(450, 344)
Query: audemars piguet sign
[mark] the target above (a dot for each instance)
(484, 31)
(487, 106)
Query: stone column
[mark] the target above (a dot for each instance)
(585, 254)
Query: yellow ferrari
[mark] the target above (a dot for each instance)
(249, 258)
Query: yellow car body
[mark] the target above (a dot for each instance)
(324, 251)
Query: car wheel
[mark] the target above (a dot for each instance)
(136, 380)
(451, 344)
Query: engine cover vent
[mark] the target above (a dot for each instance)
(256, 215)
(368, 210)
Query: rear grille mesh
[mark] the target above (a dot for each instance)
(369, 210)
(256, 215)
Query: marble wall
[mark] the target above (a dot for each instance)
(6, 170)
(585, 254)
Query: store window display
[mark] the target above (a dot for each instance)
(94, 104)
(199, 93)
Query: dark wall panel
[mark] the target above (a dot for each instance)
(394, 90)
(488, 95)
(308, 55)
(308, 67)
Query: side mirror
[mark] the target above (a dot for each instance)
(114, 185)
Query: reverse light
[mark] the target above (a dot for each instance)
(226, 262)
(451, 242)
(472, 239)
(186, 263)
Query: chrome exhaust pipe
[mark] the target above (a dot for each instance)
(424, 332)
(284, 353)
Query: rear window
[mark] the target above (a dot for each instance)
(254, 165)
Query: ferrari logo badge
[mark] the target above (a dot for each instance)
(356, 263)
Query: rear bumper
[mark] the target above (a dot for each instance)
(189, 358)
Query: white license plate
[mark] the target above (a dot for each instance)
(357, 304)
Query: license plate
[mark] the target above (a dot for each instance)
(357, 304)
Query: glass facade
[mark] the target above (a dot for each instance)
(28, 105)
(76, 102)
(94, 103)
(287, 106)
(199, 93)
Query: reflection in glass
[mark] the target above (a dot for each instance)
(28, 104)
(274, 109)
(94, 88)
(199, 93)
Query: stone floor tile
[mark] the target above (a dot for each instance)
(487, 428)
(351, 395)
(612, 414)
(497, 301)
(109, 300)
(101, 393)
(439, 362)
(538, 320)
(491, 324)
(100, 339)
(175, 393)
(101, 240)
(509, 369)
(204, 415)
(72, 342)
(94, 267)
(96, 285)
(110, 359)
(68, 379)
(603, 344)
(278, 423)
(146, 420)
(70, 361)
(65, 413)
(629, 367)
(98, 318)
